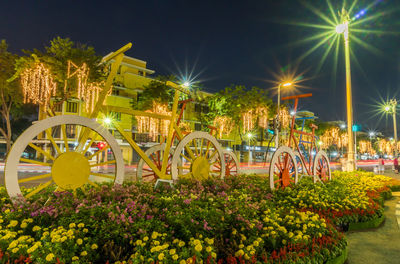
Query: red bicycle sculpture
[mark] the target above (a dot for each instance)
(288, 161)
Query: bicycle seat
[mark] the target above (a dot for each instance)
(296, 96)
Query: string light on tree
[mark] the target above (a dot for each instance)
(38, 85)
(262, 113)
(248, 121)
(225, 125)
(154, 126)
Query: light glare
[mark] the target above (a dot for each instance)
(340, 28)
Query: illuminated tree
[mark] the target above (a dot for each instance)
(10, 94)
(64, 70)
(248, 109)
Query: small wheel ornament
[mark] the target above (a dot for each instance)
(49, 154)
(321, 168)
(200, 156)
(283, 168)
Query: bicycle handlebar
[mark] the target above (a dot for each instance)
(116, 53)
(179, 88)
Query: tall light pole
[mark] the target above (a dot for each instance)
(343, 28)
(286, 84)
(391, 108)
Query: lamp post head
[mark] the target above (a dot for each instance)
(186, 84)
(340, 28)
(286, 84)
(249, 135)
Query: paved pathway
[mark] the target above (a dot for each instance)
(380, 245)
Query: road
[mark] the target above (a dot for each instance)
(27, 170)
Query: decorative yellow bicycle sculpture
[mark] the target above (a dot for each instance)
(198, 155)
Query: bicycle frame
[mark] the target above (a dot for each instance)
(294, 131)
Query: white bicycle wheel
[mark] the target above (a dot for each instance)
(283, 168)
(321, 168)
(201, 157)
(68, 167)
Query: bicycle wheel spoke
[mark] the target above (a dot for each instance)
(98, 152)
(185, 157)
(86, 148)
(93, 183)
(35, 162)
(102, 163)
(41, 151)
(37, 177)
(39, 188)
(48, 133)
(64, 132)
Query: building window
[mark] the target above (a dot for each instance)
(115, 91)
(140, 73)
(57, 106)
(115, 115)
(197, 108)
(206, 109)
(72, 107)
(197, 126)
(71, 131)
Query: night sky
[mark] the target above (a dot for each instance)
(224, 43)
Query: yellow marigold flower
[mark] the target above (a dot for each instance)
(239, 253)
(214, 255)
(154, 235)
(255, 243)
(13, 223)
(75, 258)
(80, 225)
(198, 248)
(79, 241)
(210, 241)
(84, 253)
(94, 247)
(175, 257)
(85, 230)
(145, 238)
(36, 228)
(234, 232)
(64, 238)
(15, 250)
(24, 225)
(182, 261)
(161, 256)
(13, 244)
(196, 242)
(172, 251)
(50, 257)
(138, 242)
(72, 225)
(181, 244)
(208, 249)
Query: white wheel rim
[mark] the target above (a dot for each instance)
(275, 157)
(232, 156)
(196, 135)
(12, 161)
(321, 155)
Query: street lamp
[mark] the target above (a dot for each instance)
(249, 137)
(285, 84)
(390, 108)
(343, 28)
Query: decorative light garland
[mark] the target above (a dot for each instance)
(154, 126)
(248, 121)
(284, 117)
(38, 85)
(262, 113)
(225, 125)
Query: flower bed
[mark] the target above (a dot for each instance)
(236, 220)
